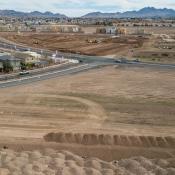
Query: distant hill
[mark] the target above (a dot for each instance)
(147, 12)
(13, 13)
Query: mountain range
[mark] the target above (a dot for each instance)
(147, 12)
(13, 13)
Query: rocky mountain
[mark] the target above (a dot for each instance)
(13, 13)
(147, 12)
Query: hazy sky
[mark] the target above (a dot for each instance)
(81, 7)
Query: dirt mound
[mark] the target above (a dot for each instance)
(52, 162)
(107, 139)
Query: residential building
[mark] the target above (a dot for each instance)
(14, 62)
(58, 28)
(28, 57)
(111, 30)
(107, 30)
(1, 67)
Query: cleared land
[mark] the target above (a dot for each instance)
(115, 95)
(109, 113)
(157, 46)
(51, 162)
(117, 114)
(77, 43)
(113, 113)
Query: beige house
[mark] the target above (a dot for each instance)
(28, 57)
(13, 61)
(59, 28)
(107, 30)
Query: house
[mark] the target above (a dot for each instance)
(1, 67)
(122, 31)
(42, 28)
(70, 28)
(111, 30)
(42, 64)
(28, 57)
(101, 30)
(57, 59)
(107, 30)
(33, 54)
(14, 62)
(58, 28)
(1, 63)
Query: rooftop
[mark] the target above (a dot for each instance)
(8, 58)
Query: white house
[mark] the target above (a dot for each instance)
(111, 30)
(33, 54)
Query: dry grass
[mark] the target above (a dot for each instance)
(132, 98)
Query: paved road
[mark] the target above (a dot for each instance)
(148, 64)
(48, 75)
(84, 58)
(88, 62)
(36, 71)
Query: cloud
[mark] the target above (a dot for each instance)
(79, 7)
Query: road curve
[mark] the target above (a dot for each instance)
(88, 62)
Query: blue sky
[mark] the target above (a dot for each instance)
(80, 7)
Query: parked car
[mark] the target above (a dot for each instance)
(24, 73)
(136, 60)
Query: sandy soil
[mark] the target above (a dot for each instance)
(147, 48)
(52, 162)
(117, 112)
(78, 43)
(121, 100)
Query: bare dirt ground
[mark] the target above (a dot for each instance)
(110, 113)
(117, 114)
(127, 96)
(51, 162)
(99, 45)
(153, 47)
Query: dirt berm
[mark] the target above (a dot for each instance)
(108, 139)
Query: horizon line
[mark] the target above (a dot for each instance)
(25, 11)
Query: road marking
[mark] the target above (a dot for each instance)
(42, 75)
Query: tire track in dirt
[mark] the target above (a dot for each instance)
(95, 111)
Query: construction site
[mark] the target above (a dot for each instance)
(150, 44)
(103, 114)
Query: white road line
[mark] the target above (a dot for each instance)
(42, 75)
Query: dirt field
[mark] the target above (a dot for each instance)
(116, 114)
(51, 162)
(78, 43)
(129, 111)
(127, 96)
(100, 45)
(158, 46)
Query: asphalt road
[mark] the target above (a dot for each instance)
(84, 58)
(47, 75)
(87, 62)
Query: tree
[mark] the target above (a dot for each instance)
(30, 65)
(23, 66)
(7, 67)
